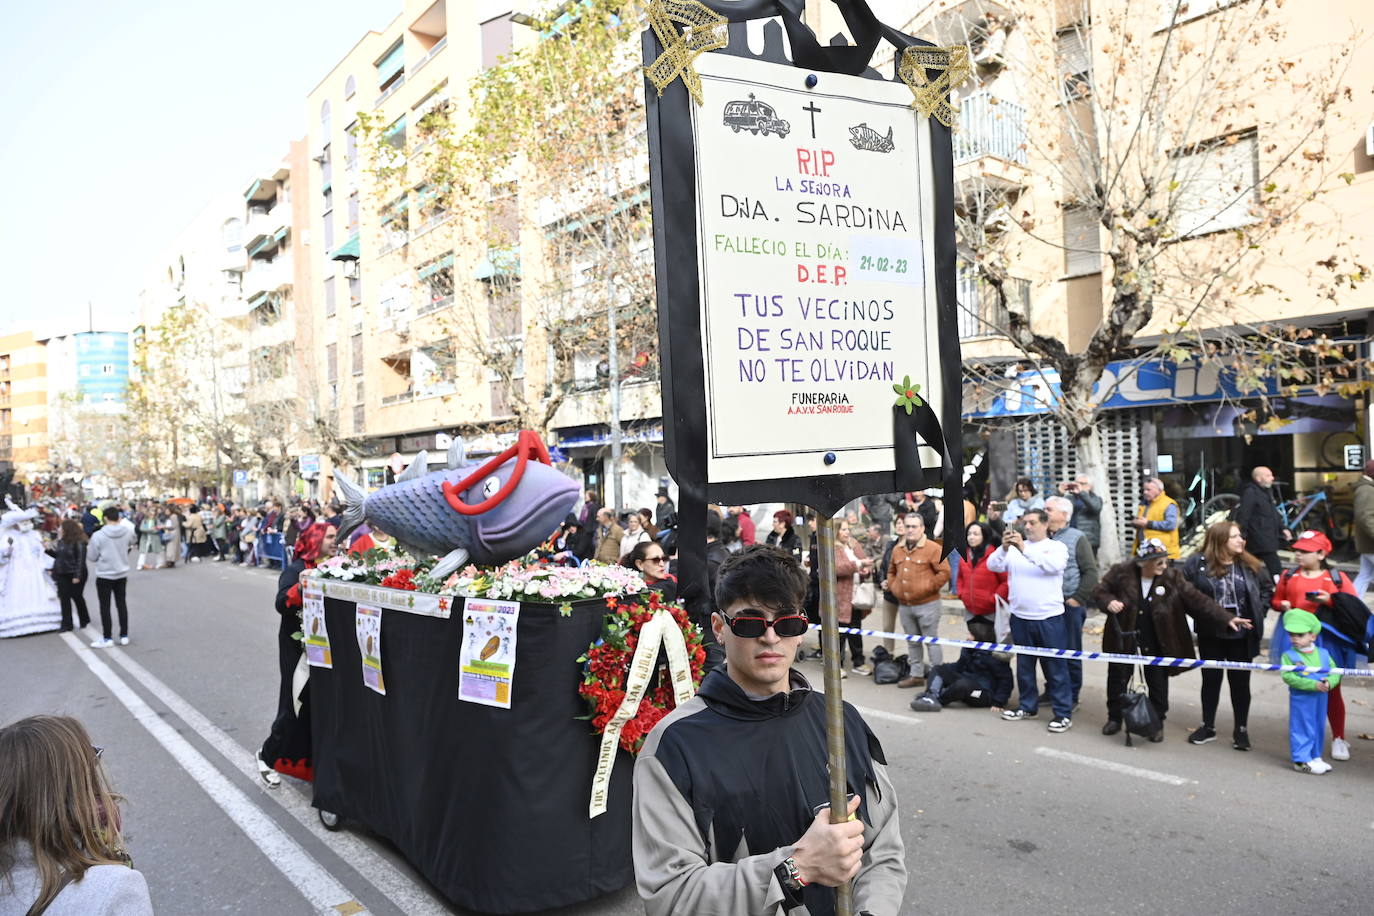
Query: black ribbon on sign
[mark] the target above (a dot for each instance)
(807, 51)
(906, 427)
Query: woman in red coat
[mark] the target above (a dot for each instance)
(980, 587)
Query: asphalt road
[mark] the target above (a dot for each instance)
(997, 816)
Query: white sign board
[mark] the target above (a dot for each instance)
(815, 241)
(1354, 457)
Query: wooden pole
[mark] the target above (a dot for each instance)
(834, 697)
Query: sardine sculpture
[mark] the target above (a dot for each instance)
(487, 514)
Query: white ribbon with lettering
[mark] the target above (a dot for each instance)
(661, 630)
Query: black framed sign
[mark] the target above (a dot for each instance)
(805, 259)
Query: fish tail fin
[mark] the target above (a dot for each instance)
(353, 499)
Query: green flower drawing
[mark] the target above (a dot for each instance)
(907, 394)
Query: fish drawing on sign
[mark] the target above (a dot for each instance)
(754, 116)
(864, 137)
(486, 514)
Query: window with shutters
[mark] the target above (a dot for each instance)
(1216, 185)
(1073, 53)
(1082, 242)
(331, 363)
(357, 354)
(329, 304)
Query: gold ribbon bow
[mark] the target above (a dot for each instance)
(662, 630)
(932, 96)
(702, 30)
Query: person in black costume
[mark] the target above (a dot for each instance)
(69, 572)
(287, 748)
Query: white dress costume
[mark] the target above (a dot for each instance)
(28, 598)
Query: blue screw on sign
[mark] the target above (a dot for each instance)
(811, 80)
(830, 458)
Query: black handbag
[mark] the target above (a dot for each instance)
(886, 668)
(1138, 714)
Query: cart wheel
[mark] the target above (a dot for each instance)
(329, 819)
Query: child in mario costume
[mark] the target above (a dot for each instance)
(1307, 692)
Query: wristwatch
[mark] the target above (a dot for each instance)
(790, 880)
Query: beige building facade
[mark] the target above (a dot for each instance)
(23, 405)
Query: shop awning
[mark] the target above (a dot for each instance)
(646, 434)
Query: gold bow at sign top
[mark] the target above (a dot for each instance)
(702, 30)
(932, 96)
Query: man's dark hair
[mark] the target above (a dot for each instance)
(112, 514)
(1040, 514)
(713, 524)
(765, 574)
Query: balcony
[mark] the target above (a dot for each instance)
(430, 55)
(263, 223)
(268, 276)
(990, 142)
(980, 313)
(405, 397)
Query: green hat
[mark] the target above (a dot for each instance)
(1301, 622)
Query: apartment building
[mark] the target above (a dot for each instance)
(412, 296)
(23, 405)
(281, 397)
(1032, 118)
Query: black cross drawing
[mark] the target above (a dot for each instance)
(814, 111)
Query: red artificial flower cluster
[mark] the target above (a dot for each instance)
(607, 663)
(402, 578)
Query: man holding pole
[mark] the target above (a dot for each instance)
(731, 813)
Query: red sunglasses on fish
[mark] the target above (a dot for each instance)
(527, 445)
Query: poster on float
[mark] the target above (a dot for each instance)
(368, 623)
(815, 245)
(314, 630)
(486, 659)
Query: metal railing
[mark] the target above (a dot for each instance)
(438, 46)
(980, 312)
(434, 306)
(990, 126)
(402, 398)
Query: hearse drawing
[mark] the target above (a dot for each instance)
(754, 116)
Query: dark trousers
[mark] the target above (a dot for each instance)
(956, 688)
(104, 588)
(1074, 618)
(69, 593)
(1231, 650)
(1156, 685)
(1049, 633)
(1270, 560)
(855, 643)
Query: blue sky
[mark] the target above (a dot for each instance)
(120, 120)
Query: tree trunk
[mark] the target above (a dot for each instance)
(1092, 462)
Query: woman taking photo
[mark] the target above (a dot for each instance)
(61, 851)
(1237, 581)
(649, 560)
(980, 587)
(850, 564)
(69, 572)
(1024, 501)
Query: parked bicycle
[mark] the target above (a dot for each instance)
(1315, 511)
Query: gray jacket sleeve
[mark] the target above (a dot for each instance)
(1087, 572)
(672, 873)
(881, 882)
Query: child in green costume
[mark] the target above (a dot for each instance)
(1307, 692)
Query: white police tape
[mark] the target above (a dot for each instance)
(1158, 661)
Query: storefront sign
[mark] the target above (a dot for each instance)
(310, 465)
(1123, 384)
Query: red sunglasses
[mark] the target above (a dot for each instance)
(752, 627)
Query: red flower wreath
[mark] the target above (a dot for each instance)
(402, 579)
(608, 661)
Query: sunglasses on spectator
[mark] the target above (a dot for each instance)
(751, 626)
(658, 559)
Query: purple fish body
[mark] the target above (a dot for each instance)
(417, 513)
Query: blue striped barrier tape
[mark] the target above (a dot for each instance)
(1158, 661)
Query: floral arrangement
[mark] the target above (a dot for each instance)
(519, 580)
(608, 660)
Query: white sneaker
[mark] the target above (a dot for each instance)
(1339, 749)
(123, 640)
(1319, 766)
(102, 643)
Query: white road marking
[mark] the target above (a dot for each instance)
(325, 894)
(1114, 767)
(869, 712)
(403, 891)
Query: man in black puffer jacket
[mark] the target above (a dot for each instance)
(980, 678)
(1260, 522)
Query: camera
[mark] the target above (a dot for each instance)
(1312, 596)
